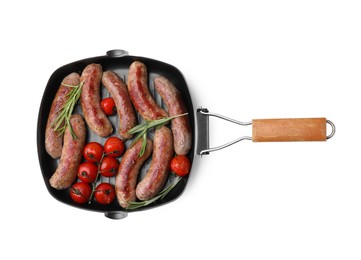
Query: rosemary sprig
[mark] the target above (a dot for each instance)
(96, 179)
(62, 121)
(161, 195)
(143, 128)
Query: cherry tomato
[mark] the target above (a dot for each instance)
(108, 106)
(80, 192)
(109, 166)
(104, 193)
(114, 147)
(180, 165)
(87, 172)
(93, 152)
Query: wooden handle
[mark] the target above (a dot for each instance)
(289, 129)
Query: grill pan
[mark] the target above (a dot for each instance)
(119, 62)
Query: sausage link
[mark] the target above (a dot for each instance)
(53, 139)
(140, 95)
(90, 101)
(126, 178)
(71, 156)
(159, 168)
(119, 92)
(181, 128)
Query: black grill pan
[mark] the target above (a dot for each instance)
(119, 62)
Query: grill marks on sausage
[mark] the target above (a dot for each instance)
(71, 156)
(140, 95)
(118, 91)
(181, 128)
(53, 139)
(90, 101)
(130, 165)
(159, 167)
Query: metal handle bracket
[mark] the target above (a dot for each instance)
(203, 136)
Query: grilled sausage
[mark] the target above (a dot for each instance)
(159, 167)
(71, 156)
(90, 101)
(119, 92)
(53, 139)
(140, 95)
(126, 178)
(181, 128)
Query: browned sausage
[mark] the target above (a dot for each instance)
(181, 128)
(53, 139)
(126, 178)
(158, 171)
(90, 101)
(140, 95)
(71, 156)
(119, 92)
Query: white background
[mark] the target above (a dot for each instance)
(253, 59)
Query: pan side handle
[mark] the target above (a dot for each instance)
(290, 129)
(266, 130)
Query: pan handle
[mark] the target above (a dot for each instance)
(266, 130)
(290, 129)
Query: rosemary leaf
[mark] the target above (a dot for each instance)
(144, 144)
(138, 128)
(140, 135)
(162, 121)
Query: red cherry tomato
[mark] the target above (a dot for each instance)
(114, 147)
(180, 165)
(109, 166)
(93, 152)
(87, 172)
(80, 192)
(104, 193)
(108, 106)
